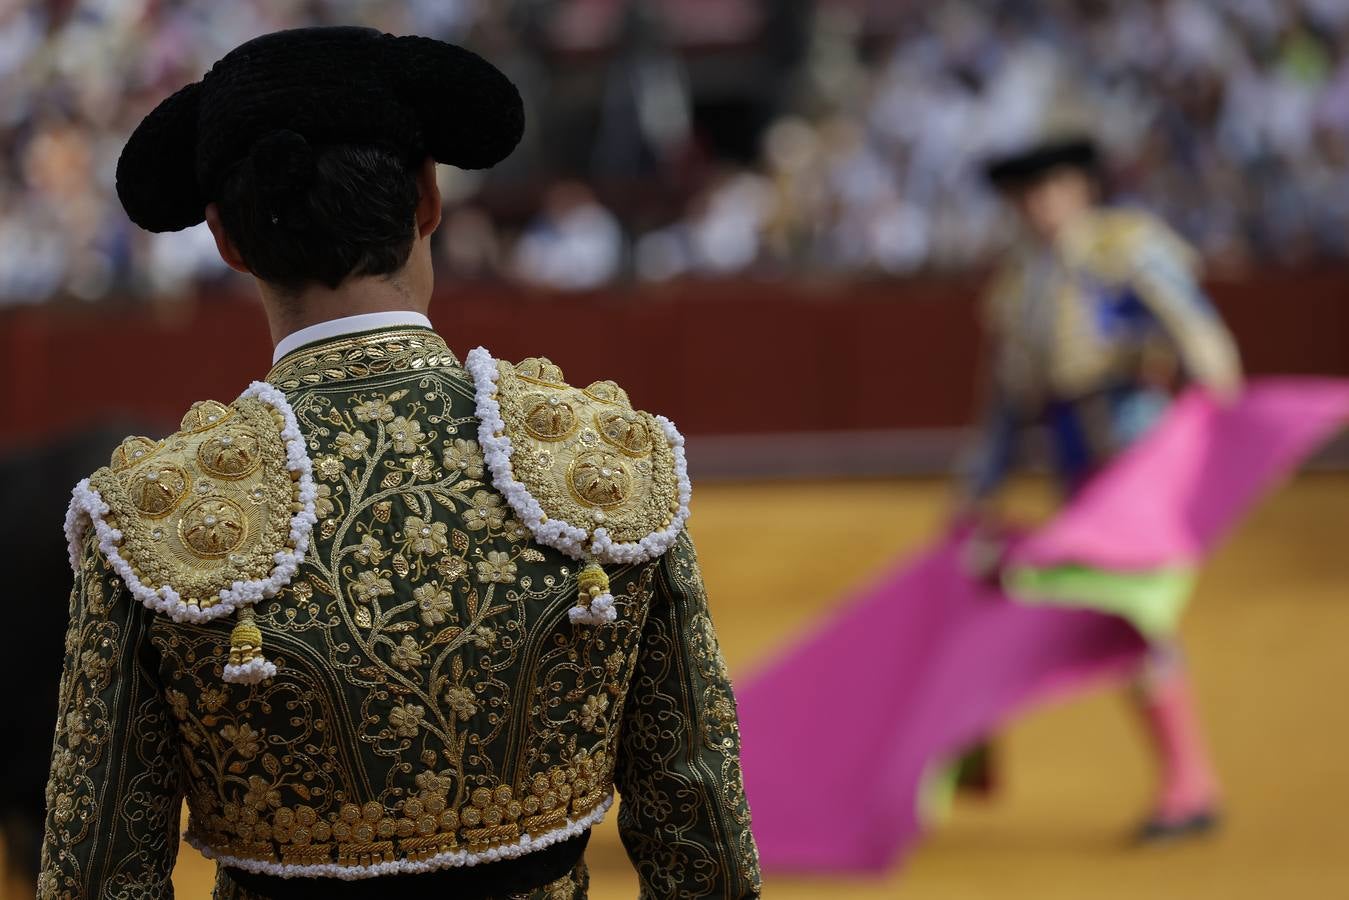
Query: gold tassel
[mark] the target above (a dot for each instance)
(247, 665)
(594, 603)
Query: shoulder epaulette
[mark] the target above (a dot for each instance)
(1112, 241)
(584, 471)
(209, 520)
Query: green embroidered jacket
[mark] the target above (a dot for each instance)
(434, 703)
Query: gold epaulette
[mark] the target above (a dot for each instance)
(211, 519)
(583, 470)
(1110, 242)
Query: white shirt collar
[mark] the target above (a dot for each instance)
(347, 325)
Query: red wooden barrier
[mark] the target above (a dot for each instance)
(741, 357)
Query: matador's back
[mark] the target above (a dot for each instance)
(384, 615)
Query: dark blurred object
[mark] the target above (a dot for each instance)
(1016, 170)
(37, 483)
(274, 100)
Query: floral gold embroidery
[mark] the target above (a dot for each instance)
(213, 527)
(432, 695)
(628, 484)
(157, 490)
(209, 508)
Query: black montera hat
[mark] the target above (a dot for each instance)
(278, 94)
(1024, 167)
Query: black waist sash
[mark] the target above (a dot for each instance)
(507, 876)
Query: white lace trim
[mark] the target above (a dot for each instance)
(557, 533)
(87, 506)
(448, 860)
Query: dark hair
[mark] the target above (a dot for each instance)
(300, 215)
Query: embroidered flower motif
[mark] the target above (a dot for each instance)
(63, 809)
(406, 435)
(422, 467)
(77, 728)
(213, 699)
(434, 603)
(562, 889)
(426, 537)
(515, 532)
(407, 654)
(260, 795)
(369, 586)
(485, 511)
(353, 444)
(592, 709)
(433, 784)
(323, 502)
(374, 410)
(721, 707)
(247, 742)
(406, 719)
(497, 568)
(462, 701)
(484, 637)
(328, 467)
(177, 703)
(464, 457)
(370, 550)
(94, 665)
(452, 567)
(63, 763)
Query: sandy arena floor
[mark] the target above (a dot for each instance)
(1266, 639)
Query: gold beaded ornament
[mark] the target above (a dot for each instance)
(200, 520)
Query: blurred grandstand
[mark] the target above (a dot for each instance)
(674, 138)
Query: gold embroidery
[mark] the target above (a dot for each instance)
(132, 451)
(212, 527)
(608, 392)
(113, 800)
(550, 418)
(618, 473)
(540, 370)
(432, 694)
(1061, 347)
(427, 602)
(362, 356)
(204, 414)
(156, 490)
(599, 478)
(624, 431)
(231, 454)
(211, 507)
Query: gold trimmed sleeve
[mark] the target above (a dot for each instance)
(114, 793)
(684, 819)
(1163, 273)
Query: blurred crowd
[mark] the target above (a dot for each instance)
(1231, 119)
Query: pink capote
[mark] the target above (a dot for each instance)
(839, 731)
(1168, 499)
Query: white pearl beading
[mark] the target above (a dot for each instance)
(87, 506)
(557, 533)
(448, 860)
